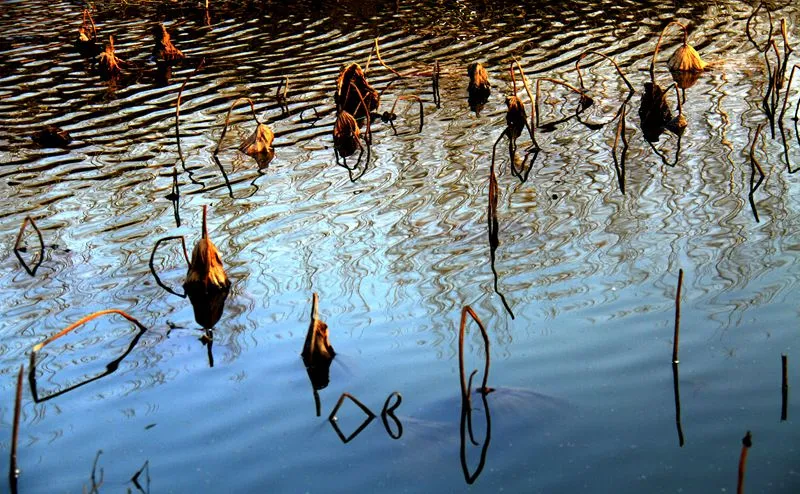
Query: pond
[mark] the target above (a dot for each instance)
(587, 251)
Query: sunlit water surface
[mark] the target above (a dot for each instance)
(585, 397)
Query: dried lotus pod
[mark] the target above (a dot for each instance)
(654, 111)
(346, 134)
(206, 284)
(164, 49)
(108, 63)
(479, 87)
(515, 115)
(259, 145)
(205, 272)
(317, 349)
(686, 59)
(352, 88)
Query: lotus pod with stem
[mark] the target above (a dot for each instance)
(354, 102)
(206, 272)
(259, 144)
(317, 349)
(346, 134)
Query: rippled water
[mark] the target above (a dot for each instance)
(585, 399)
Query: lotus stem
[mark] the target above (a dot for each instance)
(747, 443)
(658, 45)
(677, 318)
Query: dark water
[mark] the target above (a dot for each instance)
(585, 398)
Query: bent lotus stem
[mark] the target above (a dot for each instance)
(553, 81)
(88, 15)
(378, 55)
(411, 97)
(368, 133)
(592, 52)
(25, 222)
(228, 118)
(747, 443)
(658, 45)
(788, 91)
(787, 49)
(79, 323)
(771, 27)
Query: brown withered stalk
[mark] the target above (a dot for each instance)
(108, 62)
(163, 48)
(784, 387)
(747, 443)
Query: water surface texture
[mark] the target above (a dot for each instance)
(585, 394)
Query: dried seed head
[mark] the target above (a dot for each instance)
(107, 62)
(515, 116)
(686, 59)
(351, 87)
(164, 49)
(346, 134)
(478, 77)
(260, 142)
(206, 269)
(317, 349)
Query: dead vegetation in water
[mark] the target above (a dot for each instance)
(86, 42)
(108, 64)
(259, 144)
(51, 136)
(13, 471)
(163, 49)
(479, 88)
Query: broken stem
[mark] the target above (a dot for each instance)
(77, 324)
(411, 97)
(378, 55)
(784, 386)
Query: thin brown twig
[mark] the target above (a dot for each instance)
(592, 52)
(788, 91)
(411, 97)
(378, 55)
(18, 241)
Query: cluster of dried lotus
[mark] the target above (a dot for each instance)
(109, 65)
